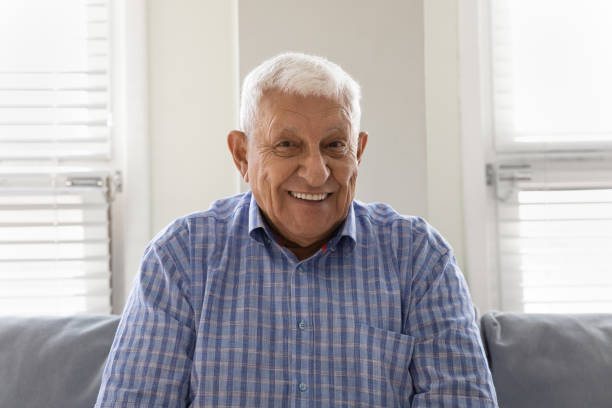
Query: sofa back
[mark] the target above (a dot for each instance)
(53, 361)
(536, 360)
(546, 360)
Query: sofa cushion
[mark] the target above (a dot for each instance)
(53, 361)
(550, 360)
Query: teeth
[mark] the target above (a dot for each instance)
(310, 197)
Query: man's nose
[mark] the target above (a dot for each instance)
(314, 169)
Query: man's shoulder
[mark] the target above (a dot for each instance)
(227, 210)
(382, 214)
(420, 232)
(224, 209)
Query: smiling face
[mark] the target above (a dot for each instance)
(301, 164)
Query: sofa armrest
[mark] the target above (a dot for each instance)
(53, 361)
(546, 360)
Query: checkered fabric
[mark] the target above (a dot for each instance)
(221, 315)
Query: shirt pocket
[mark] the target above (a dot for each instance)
(392, 348)
(370, 364)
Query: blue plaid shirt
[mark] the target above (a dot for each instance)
(222, 316)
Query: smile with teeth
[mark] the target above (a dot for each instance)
(309, 197)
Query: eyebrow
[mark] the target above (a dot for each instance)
(335, 129)
(288, 131)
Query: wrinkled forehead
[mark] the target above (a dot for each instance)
(280, 106)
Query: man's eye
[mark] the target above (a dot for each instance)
(285, 143)
(336, 145)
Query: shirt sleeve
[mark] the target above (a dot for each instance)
(449, 367)
(150, 360)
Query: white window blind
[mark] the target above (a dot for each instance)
(551, 64)
(552, 97)
(55, 157)
(555, 235)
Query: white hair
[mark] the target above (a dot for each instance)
(299, 74)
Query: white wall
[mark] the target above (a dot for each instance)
(398, 50)
(192, 104)
(382, 48)
(457, 192)
(444, 148)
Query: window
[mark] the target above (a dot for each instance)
(551, 93)
(56, 182)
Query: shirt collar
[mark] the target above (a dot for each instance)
(260, 231)
(257, 226)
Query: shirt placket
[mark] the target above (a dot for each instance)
(302, 335)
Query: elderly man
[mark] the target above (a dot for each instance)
(294, 294)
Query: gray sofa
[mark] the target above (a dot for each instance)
(536, 360)
(53, 362)
(550, 360)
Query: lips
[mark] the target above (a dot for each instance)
(309, 196)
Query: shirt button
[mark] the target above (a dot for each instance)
(302, 325)
(302, 387)
(300, 268)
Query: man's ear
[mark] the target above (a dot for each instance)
(238, 143)
(362, 141)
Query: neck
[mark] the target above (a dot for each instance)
(301, 252)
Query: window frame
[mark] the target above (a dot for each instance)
(479, 212)
(480, 156)
(131, 209)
